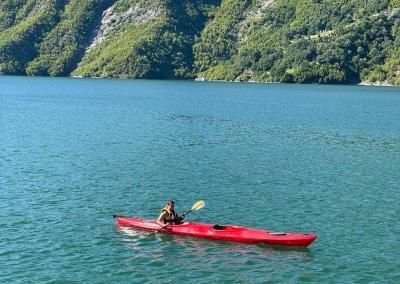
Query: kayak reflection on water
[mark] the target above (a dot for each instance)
(138, 242)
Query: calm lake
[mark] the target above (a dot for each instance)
(294, 158)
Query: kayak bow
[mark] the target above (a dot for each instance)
(221, 232)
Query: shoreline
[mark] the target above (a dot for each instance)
(363, 83)
(376, 84)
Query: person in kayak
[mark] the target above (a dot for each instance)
(169, 216)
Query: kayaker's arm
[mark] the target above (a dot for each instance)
(160, 220)
(180, 218)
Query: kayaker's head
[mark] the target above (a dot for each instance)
(170, 204)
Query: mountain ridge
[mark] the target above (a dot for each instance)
(308, 41)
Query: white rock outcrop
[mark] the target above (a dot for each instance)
(117, 21)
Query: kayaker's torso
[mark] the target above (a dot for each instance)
(170, 215)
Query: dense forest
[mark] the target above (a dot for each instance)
(296, 41)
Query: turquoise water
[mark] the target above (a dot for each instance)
(300, 158)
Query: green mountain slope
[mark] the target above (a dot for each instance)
(62, 48)
(25, 24)
(309, 41)
(146, 39)
(302, 41)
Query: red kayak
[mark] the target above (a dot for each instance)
(221, 232)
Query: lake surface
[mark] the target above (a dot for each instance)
(296, 158)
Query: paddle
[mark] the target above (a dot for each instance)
(196, 206)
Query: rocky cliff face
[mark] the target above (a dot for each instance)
(323, 41)
(118, 18)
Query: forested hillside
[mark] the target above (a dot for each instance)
(300, 41)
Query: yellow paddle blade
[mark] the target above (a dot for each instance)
(198, 205)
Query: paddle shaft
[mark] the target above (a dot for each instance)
(187, 212)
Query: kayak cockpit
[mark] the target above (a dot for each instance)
(219, 227)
